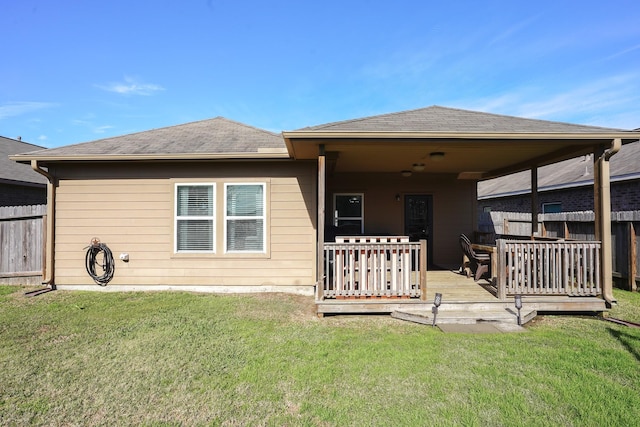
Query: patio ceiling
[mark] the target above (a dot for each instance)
(468, 156)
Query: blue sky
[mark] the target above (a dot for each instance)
(75, 71)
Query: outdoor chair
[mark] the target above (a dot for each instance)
(479, 264)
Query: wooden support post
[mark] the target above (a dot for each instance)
(320, 273)
(501, 273)
(534, 201)
(423, 270)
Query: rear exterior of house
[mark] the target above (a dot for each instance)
(361, 208)
(134, 210)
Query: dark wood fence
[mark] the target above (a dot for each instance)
(22, 231)
(625, 235)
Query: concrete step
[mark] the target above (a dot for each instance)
(467, 316)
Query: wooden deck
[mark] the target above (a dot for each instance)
(458, 293)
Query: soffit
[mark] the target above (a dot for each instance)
(483, 157)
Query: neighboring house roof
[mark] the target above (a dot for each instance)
(213, 138)
(12, 172)
(443, 119)
(625, 165)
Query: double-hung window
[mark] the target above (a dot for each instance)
(195, 218)
(245, 217)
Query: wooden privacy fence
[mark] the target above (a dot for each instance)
(374, 268)
(625, 235)
(22, 242)
(548, 268)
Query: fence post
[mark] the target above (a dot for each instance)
(44, 246)
(632, 257)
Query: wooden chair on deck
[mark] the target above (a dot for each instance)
(478, 263)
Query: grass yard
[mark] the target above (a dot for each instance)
(163, 359)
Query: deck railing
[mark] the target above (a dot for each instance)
(374, 267)
(570, 268)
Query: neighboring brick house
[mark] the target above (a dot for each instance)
(566, 186)
(19, 183)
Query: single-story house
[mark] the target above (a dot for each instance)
(19, 184)
(348, 211)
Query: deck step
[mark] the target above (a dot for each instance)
(504, 316)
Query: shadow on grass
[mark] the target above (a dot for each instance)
(626, 339)
(38, 292)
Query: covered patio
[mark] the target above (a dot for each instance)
(395, 192)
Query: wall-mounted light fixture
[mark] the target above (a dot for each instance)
(397, 197)
(406, 173)
(418, 167)
(436, 156)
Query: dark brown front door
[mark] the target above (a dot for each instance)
(418, 220)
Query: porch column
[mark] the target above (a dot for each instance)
(320, 279)
(534, 200)
(602, 209)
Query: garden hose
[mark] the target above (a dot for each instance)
(99, 254)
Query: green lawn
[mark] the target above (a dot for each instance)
(159, 359)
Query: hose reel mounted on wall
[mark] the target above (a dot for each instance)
(99, 254)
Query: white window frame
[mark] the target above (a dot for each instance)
(338, 218)
(211, 217)
(263, 217)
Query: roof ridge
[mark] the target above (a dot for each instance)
(19, 141)
(328, 126)
(245, 125)
(358, 119)
(179, 125)
(508, 116)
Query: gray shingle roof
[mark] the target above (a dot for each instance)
(572, 172)
(12, 171)
(213, 136)
(442, 119)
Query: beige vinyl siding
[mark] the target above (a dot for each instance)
(131, 210)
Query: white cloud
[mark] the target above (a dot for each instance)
(623, 52)
(88, 123)
(102, 129)
(601, 102)
(12, 109)
(42, 138)
(516, 28)
(131, 86)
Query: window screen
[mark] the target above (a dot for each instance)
(195, 214)
(245, 217)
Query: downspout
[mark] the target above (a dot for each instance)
(616, 144)
(48, 267)
(604, 208)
